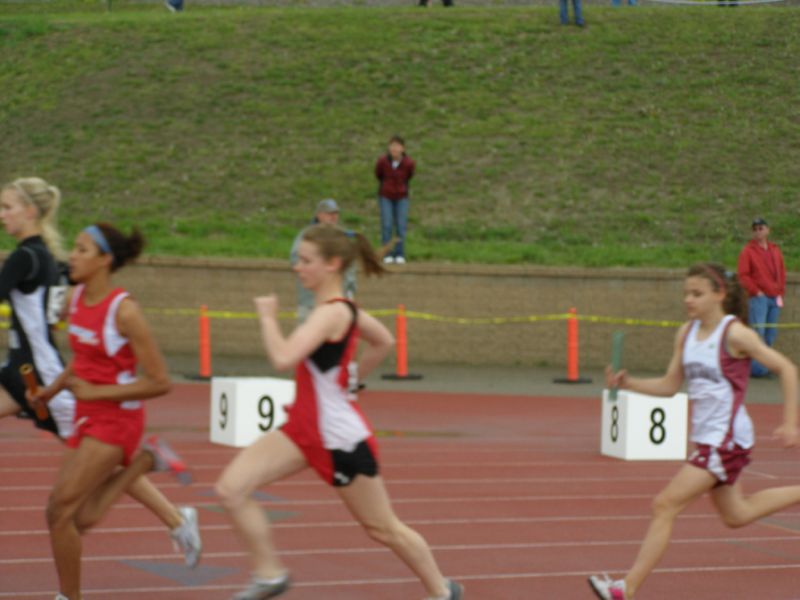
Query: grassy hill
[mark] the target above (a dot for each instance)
(650, 138)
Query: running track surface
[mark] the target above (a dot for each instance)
(510, 492)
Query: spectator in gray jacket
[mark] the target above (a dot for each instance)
(327, 212)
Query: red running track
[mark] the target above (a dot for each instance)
(510, 492)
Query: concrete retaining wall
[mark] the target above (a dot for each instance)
(448, 290)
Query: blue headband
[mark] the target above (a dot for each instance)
(97, 235)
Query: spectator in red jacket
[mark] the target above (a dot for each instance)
(763, 275)
(394, 170)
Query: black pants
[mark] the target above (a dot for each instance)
(445, 2)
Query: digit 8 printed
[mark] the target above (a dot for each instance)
(614, 423)
(657, 432)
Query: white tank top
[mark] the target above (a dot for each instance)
(717, 383)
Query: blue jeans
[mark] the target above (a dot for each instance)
(619, 2)
(564, 14)
(394, 215)
(764, 310)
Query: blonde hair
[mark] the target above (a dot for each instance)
(333, 241)
(35, 191)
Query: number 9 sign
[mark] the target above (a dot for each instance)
(244, 408)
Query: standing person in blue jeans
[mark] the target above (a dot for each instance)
(577, 9)
(763, 275)
(394, 170)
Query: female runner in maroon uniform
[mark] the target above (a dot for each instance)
(109, 337)
(325, 429)
(712, 354)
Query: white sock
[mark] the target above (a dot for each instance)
(445, 597)
(273, 581)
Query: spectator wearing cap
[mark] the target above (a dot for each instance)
(763, 275)
(327, 212)
(394, 171)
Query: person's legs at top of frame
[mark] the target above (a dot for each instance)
(577, 6)
(387, 224)
(400, 209)
(563, 12)
(757, 317)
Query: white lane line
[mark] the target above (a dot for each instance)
(403, 580)
(438, 548)
(432, 500)
(438, 481)
(420, 522)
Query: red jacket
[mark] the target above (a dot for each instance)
(762, 270)
(394, 182)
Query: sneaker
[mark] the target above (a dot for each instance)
(400, 260)
(186, 536)
(166, 459)
(174, 5)
(261, 589)
(61, 597)
(455, 591)
(607, 588)
(388, 260)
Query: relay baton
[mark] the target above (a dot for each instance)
(32, 385)
(616, 358)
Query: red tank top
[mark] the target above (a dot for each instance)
(101, 355)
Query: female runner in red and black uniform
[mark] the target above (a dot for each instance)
(109, 339)
(325, 429)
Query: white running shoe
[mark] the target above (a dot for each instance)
(61, 597)
(186, 536)
(262, 589)
(400, 260)
(607, 588)
(388, 260)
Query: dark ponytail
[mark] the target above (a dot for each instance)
(124, 248)
(735, 301)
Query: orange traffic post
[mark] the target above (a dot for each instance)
(205, 343)
(401, 348)
(572, 351)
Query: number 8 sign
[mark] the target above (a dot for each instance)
(244, 408)
(640, 427)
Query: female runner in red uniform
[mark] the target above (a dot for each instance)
(31, 282)
(325, 429)
(109, 338)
